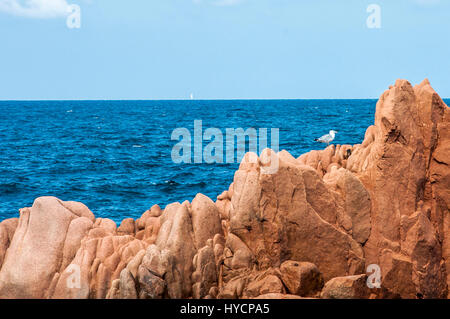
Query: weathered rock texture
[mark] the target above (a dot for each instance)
(310, 229)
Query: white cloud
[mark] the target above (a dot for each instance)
(35, 8)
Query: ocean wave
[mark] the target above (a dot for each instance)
(127, 162)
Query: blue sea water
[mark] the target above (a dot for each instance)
(115, 156)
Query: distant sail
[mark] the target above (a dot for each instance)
(192, 96)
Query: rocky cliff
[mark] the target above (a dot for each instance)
(310, 229)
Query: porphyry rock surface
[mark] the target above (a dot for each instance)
(350, 287)
(301, 278)
(325, 217)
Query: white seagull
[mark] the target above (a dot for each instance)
(328, 138)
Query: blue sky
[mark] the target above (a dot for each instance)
(167, 49)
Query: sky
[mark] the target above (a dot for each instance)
(220, 49)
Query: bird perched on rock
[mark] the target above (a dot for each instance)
(327, 138)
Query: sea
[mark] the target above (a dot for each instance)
(116, 156)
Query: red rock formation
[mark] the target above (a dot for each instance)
(323, 217)
(301, 278)
(350, 287)
(403, 163)
(7, 229)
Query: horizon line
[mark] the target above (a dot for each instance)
(186, 99)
